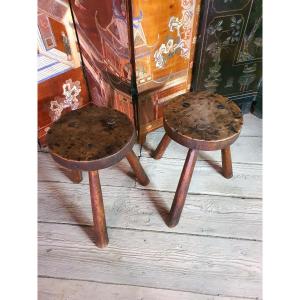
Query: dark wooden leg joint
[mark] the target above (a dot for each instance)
(226, 162)
(135, 164)
(98, 210)
(183, 186)
(162, 146)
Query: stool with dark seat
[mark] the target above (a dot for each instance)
(93, 138)
(199, 121)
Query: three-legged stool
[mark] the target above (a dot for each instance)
(199, 121)
(93, 138)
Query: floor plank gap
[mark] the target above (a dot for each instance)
(153, 231)
(147, 287)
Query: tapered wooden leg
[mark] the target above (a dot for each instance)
(76, 176)
(98, 210)
(162, 146)
(137, 168)
(226, 162)
(183, 186)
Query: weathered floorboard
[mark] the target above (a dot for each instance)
(243, 150)
(117, 175)
(213, 250)
(252, 126)
(164, 175)
(146, 210)
(61, 289)
(203, 265)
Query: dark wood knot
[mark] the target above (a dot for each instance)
(110, 123)
(232, 128)
(186, 104)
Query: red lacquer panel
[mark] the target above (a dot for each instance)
(102, 28)
(61, 83)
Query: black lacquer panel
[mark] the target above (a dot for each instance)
(229, 49)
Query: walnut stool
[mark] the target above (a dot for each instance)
(199, 121)
(93, 138)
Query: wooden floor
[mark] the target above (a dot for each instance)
(213, 254)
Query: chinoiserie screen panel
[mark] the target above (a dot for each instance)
(161, 33)
(103, 34)
(61, 83)
(164, 41)
(228, 58)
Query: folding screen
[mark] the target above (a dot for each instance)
(163, 35)
(61, 82)
(138, 54)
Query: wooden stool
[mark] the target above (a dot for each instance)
(199, 121)
(93, 138)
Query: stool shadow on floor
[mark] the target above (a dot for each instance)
(84, 222)
(148, 148)
(125, 168)
(79, 218)
(202, 155)
(154, 196)
(211, 162)
(158, 203)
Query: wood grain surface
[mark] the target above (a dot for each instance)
(62, 289)
(207, 179)
(203, 116)
(187, 263)
(90, 133)
(147, 210)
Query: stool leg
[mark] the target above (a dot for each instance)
(162, 146)
(137, 168)
(226, 162)
(142, 139)
(98, 210)
(76, 176)
(183, 186)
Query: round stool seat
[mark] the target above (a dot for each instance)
(91, 138)
(203, 121)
